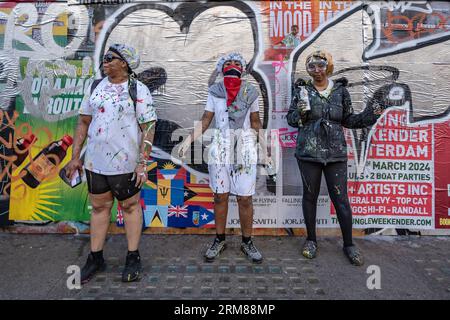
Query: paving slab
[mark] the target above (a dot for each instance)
(410, 267)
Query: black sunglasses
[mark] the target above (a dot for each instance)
(109, 57)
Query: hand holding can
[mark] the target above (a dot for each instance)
(303, 102)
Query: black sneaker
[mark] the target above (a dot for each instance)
(132, 269)
(91, 268)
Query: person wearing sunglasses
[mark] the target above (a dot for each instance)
(320, 108)
(119, 134)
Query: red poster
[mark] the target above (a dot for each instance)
(305, 16)
(442, 174)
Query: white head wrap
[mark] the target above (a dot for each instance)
(231, 56)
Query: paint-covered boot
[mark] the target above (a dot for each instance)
(309, 249)
(354, 255)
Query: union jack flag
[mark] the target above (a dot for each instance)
(178, 211)
(119, 218)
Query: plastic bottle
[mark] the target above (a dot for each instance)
(45, 162)
(305, 98)
(23, 144)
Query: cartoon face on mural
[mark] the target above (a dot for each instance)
(394, 55)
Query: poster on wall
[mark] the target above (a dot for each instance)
(397, 169)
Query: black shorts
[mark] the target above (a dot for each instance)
(121, 185)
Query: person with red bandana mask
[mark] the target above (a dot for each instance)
(233, 102)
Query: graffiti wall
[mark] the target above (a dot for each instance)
(394, 54)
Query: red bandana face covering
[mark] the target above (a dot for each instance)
(232, 82)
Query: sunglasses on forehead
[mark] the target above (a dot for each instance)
(109, 57)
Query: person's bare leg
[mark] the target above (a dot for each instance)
(246, 215)
(132, 214)
(221, 211)
(100, 218)
(245, 204)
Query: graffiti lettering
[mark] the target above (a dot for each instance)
(24, 16)
(419, 6)
(21, 20)
(402, 28)
(395, 32)
(47, 107)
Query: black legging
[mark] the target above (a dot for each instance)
(336, 178)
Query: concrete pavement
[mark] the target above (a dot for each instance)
(411, 267)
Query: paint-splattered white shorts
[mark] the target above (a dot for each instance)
(237, 180)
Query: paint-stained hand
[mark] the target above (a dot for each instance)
(303, 110)
(301, 106)
(378, 109)
(73, 166)
(140, 174)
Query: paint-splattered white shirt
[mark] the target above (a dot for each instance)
(114, 134)
(224, 138)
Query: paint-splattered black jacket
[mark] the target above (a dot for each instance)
(320, 135)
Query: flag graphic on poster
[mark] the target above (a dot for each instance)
(207, 219)
(119, 218)
(196, 217)
(156, 216)
(188, 194)
(169, 171)
(203, 195)
(152, 170)
(178, 211)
